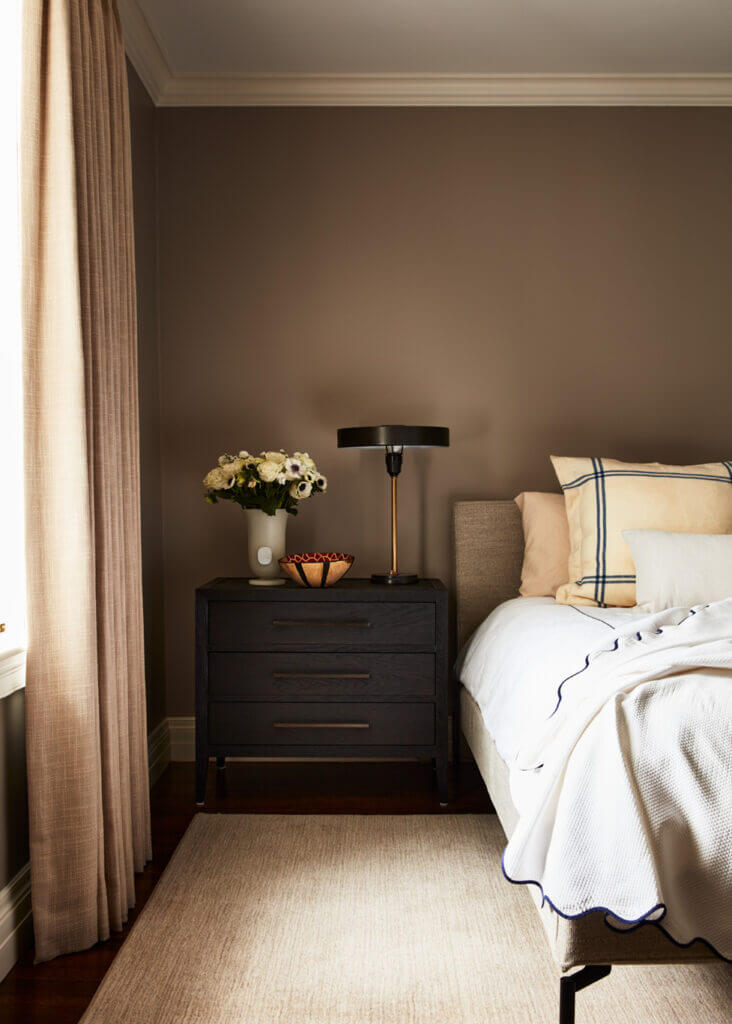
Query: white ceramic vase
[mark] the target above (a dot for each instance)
(266, 545)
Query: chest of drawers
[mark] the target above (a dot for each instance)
(355, 670)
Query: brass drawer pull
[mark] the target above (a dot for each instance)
(359, 623)
(321, 675)
(322, 725)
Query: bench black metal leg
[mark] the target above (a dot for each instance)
(572, 984)
(220, 763)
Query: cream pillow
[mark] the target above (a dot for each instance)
(546, 543)
(680, 570)
(604, 497)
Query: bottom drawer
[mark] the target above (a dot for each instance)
(309, 724)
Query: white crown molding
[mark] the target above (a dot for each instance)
(144, 50)
(168, 89)
(445, 90)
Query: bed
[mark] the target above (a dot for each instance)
(488, 542)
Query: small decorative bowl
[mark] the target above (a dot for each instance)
(316, 568)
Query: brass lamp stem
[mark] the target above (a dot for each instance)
(394, 569)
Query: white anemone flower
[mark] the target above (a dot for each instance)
(307, 462)
(282, 478)
(321, 482)
(301, 489)
(293, 469)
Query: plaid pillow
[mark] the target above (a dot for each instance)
(603, 497)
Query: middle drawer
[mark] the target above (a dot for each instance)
(321, 675)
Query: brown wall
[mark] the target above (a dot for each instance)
(143, 130)
(537, 280)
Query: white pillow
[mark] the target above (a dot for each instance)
(679, 570)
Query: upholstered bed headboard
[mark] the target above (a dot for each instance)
(489, 549)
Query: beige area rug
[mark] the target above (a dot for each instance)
(345, 919)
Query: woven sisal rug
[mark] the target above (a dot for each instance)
(344, 919)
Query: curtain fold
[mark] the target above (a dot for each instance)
(85, 692)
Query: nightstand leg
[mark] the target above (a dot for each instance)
(441, 762)
(220, 763)
(201, 773)
(456, 733)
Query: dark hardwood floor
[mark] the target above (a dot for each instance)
(58, 992)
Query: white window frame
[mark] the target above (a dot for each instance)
(12, 640)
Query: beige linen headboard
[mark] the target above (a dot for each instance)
(489, 549)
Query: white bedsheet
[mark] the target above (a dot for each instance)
(513, 663)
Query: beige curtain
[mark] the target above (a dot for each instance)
(85, 699)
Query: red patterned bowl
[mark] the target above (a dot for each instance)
(316, 568)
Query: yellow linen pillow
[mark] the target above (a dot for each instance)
(603, 497)
(546, 543)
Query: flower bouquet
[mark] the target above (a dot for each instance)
(270, 481)
(268, 487)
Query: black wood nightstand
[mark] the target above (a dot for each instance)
(354, 670)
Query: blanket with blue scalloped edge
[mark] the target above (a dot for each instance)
(624, 794)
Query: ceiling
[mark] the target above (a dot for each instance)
(221, 47)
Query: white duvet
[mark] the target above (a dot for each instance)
(624, 791)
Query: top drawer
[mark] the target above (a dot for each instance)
(357, 625)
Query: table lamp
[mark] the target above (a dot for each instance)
(394, 439)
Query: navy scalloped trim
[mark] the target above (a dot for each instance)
(635, 923)
(609, 650)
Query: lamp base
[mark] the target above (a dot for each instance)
(395, 578)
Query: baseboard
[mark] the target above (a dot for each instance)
(16, 926)
(182, 738)
(158, 750)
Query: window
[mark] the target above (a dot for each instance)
(12, 559)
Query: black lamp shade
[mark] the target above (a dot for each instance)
(394, 435)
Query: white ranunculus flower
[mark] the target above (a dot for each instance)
(278, 457)
(243, 455)
(235, 466)
(282, 478)
(218, 480)
(223, 459)
(301, 489)
(268, 470)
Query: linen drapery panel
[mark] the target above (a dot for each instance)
(85, 693)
